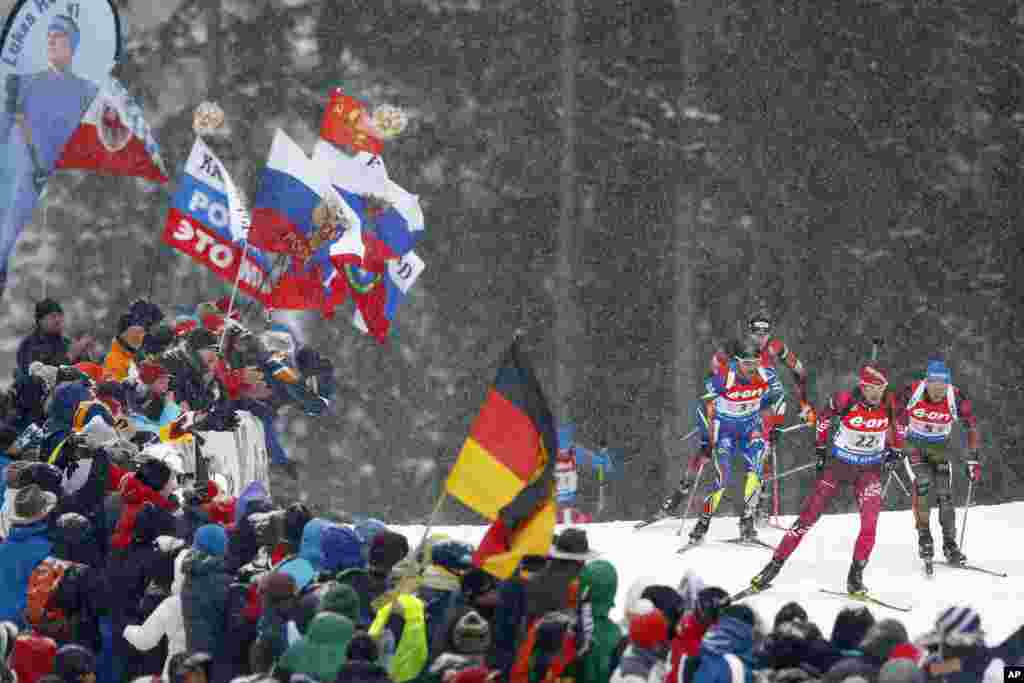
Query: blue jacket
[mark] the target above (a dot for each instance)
(4, 462)
(728, 636)
(307, 565)
(23, 550)
(60, 421)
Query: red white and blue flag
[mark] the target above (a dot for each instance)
(291, 216)
(392, 218)
(208, 218)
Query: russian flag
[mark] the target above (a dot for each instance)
(378, 295)
(114, 138)
(391, 229)
(292, 188)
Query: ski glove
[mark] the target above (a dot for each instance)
(821, 452)
(893, 456)
(973, 469)
(775, 436)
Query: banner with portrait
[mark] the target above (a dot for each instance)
(61, 108)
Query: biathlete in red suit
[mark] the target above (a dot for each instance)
(865, 435)
(926, 411)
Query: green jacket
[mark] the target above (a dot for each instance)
(601, 580)
(321, 652)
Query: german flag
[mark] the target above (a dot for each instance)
(505, 470)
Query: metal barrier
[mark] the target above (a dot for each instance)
(240, 456)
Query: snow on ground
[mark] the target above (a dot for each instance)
(894, 573)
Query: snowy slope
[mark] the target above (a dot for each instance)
(822, 561)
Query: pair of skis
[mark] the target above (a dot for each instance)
(865, 597)
(747, 542)
(929, 568)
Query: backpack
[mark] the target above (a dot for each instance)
(42, 586)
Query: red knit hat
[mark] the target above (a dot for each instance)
(474, 674)
(873, 376)
(94, 370)
(648, 630)
(905, 651)
(183, 327)
(151, 372)
(214, 323)
(33, 656)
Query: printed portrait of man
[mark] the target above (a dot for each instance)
(51, 103)
(41, 111)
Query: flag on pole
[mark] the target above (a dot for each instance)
(505, 470)
(208, 219)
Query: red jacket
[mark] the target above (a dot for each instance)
(135, 494)
(685, 643)
(33, 657)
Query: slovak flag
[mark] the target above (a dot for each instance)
(378, 295)
(393, 222)
(114, 138)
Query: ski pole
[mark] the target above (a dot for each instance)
(689, 501)
(876, 344)
(690, 434)
(793, 428)
(775, 488)
(783, 475)
(888, 481)
(899, 480)
(967, 508)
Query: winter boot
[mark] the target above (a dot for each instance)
(952, 551)
(747, 530)
(767, 575)
(925, 544)
(700, 528)
(855, 579)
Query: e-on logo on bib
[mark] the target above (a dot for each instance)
(869, 423)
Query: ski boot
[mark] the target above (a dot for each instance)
(952, 551)
(672, 502)
(761, 516)
(700, 528)
(925, 544)
(855, 579)
(747, 531)
(766, 575)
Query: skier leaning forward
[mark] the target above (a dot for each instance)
(927, 410)
(772, 349)
(743, 391)
(866, 435)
